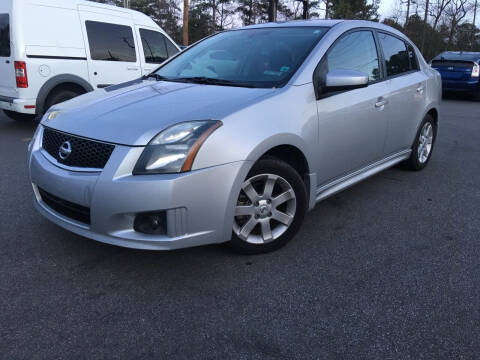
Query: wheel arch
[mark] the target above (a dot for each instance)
(56, 82)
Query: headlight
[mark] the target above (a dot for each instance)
(34, 137)
(174, 149)
(52, 114)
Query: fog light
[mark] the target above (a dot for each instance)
(151, 223)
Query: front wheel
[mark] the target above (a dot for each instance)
(270, 208)
(423, 146)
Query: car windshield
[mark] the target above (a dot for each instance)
(262, 57)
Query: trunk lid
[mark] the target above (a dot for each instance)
(454, 69)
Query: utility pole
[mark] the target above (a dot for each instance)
(425, 24)
(185, 22)
(475, 13)
(272, 10)
(305, 9)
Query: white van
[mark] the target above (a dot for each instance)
(52, 51)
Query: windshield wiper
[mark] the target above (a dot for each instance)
(156, 77)
(211, 81)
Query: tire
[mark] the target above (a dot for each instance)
(256, 206)
(476, 95)
(60, 96)
(19, 116)
(423, 146)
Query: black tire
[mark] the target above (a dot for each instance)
(60, 96)
(476, 95)
(284, 171)
(413, 162)
(19, 116)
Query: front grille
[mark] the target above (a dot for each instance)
(66, 208)
(84, 153)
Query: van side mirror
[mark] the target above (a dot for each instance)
(342, 80)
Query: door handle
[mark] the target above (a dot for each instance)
(420, 89)
(132, 68)
(381, 103)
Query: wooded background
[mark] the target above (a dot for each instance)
(434, 25)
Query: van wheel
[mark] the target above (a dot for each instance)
(423, 146)
(60, 96)
(270, 208)
(19, 116)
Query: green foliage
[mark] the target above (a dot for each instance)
(354, 9)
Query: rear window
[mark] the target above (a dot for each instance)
(111, 42)
(452, 64)
(4, 35)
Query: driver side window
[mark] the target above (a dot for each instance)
(355, 51)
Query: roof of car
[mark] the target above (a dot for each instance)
(296, 23)
(458, 55)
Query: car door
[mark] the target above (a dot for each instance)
(406, 92)
(156, 48)
(352, 124)
(113, 56)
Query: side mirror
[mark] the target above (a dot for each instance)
(341, 80)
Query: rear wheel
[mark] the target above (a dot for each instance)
(60, 96)
(270, 208)
(423, 145)
(19, 116)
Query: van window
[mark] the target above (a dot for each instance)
(111, 42)
(355, 51)
(172, 49)
(4, 35)
(396, 55)
(154, 46)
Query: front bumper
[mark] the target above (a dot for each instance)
(17, 105)
(199, 204)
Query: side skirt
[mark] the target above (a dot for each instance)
(346, 181)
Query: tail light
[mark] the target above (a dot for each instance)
(476, 70)
(21, 74)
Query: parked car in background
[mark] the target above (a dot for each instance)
(460, 71)
(235, 138)
(52, 51)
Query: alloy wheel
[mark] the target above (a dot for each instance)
(265, 209)
(425, 142)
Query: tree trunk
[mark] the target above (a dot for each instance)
(327, 4)
(214, 15)
(185, 22)
(425, 24)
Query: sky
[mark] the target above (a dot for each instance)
(386, 8)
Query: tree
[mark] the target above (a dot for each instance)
(437, 9)
(354, 9)
(455, 12)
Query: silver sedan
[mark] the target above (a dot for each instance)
(237, 137)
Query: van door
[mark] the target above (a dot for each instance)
(113, 56)
(7, 78)
(156, 48)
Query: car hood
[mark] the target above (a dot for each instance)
(133, 113)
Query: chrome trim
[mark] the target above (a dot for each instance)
(344, 182)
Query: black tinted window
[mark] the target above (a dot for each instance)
(355, 51)
(111, 42)
(4, 35)
(396, 55)
(154, 46)
(172, 49)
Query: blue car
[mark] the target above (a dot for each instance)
(460, 71)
